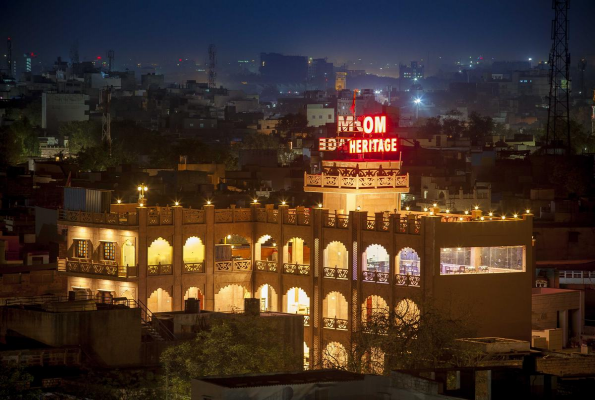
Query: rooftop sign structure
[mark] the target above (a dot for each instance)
(361, 135)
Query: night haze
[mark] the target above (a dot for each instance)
(378, 32)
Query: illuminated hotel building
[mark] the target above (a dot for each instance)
(335, 263)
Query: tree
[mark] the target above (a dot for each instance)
(478, 127)
(431, 126)
(293, 123)
(238, 345)
(14, 383)
(405, 338)
(453, 127)
(19, 141)
(81, 135)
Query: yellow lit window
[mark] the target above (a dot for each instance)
(109, 251)
(82, 249)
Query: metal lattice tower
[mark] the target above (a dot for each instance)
(558, 121)
(9, 56)
(212, 63)
(110, 58)
(106, 133)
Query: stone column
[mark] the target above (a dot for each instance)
(142, 254)
(209, 296)
(178, 259)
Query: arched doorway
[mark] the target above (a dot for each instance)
(296, 251)
(194, 250)
(335, 311)
(374, 308)
(160, 255)
(128, 253)
(407, 262)
(160, 301)
(233, 252)
(297, 302)
(230, 298)
(375, 264)
(268, 298)
(336, 261)
(195, 293)
(407, 313)
(334, 356)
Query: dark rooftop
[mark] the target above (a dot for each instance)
(296, 378)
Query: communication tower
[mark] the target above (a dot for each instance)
(558, 121)
(212, 63)
(110, 58)
(74, 52)
(106, 133)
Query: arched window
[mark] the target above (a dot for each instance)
(160, 301)
(194, 250)
(268, 298)
(230, 298)
(407, 262)
(296, 251)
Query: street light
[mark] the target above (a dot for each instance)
(141, 192)
(417, 103)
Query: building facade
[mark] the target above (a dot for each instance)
(335, 268)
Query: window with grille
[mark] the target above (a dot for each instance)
(109, 251)
(81, 249)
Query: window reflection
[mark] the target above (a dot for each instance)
(472, 260)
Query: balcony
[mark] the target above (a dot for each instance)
(293, 217)
(160, 216)
(123, 219)
(375, 276)
(340, 221)
(296, 269)
(159, 269)
(407, 280)
(194, 268)
(193, 216)
(102, 268)
(264, 265)
(335, 273)
(338, 183)
(334, 323)
(233, 215)
(233, 265)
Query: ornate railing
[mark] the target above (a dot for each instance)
(222, 216)
(296, 269)
(195, 267)
(334, 323)
(265, 265)
(306, 320)
(375, 276)
(233, 215)
(403, 225)
(293, 217)
(356, 182)
(337, 221)
(407, 280)
(370, 224)
(335, 273)
(160, 269)
(99, 218)
(273, 216)
(91, 267)
(193, 217)
(233, 265)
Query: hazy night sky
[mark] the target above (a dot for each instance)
(377, 31)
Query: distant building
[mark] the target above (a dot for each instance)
(413, 71)
(318, 115)
(283, 68)
(152, 81)
(340, 81)
(57, 108)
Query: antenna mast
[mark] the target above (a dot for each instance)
(106, 133)
(558, 121)
(9, 56)
(212, 63)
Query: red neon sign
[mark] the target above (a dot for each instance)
(376, 145)
(365, 124)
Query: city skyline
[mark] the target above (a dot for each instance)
(389, 33)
